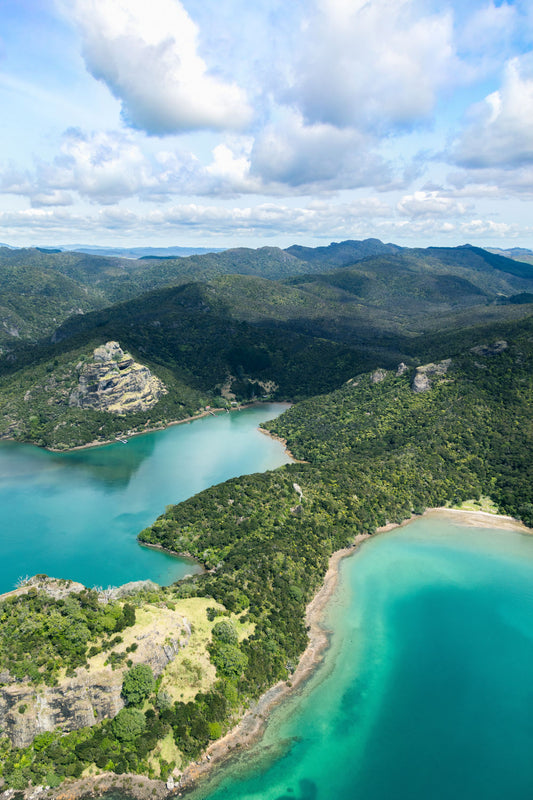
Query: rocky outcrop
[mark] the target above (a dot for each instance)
(424, 376)
(402, 369)
(116, 383)
(92, 695)
(378, 375)
(490, 349)
(26, 711)
(58, 588)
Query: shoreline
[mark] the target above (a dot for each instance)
(282, 441)
(212, 412)
(479, 519)
(250, 727)
(162, 427)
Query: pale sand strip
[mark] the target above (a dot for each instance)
(251, 726)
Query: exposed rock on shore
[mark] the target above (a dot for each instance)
(115, 382)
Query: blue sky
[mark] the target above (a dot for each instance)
(226, 123)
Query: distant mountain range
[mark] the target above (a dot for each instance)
(345, 291)
(335, 254)
(518, 253)
(123, 252)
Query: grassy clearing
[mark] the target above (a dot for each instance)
(192, 671)
(165, 749)
(154, 625)
(483, 504)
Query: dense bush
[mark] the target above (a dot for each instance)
(138, 684)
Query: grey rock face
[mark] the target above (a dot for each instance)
(490, 349)
(424, 375)
(378, 376)
(90, 695)
(116, 383)
(26, 711)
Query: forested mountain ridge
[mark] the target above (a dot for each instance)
(41, 288)
(245, 336)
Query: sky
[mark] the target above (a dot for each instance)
(223, 123)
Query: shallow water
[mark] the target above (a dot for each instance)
(426, 690)
(76, 515)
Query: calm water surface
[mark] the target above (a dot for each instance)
(76, 515)
(426, 691)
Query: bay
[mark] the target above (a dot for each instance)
(425, 691)
(76, 515)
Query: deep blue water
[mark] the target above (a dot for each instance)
(426, 690)
(76, 515)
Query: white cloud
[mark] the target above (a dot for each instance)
(488, 29)
(290, 158)
(105, 167)
(147, 54)
(194, 222)
(479, 227)
(325, 218)
(102, 166)
(376, 65)
(52, 198)
(430, 204)
(230, 168)
(300, 156)
(500, 183)
(499, 132)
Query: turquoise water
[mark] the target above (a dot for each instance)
(426, 690)
(76, 515)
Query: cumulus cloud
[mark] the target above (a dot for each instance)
(301, 156)
(430, 204)
(229, 171)
(197, 222)
(499, 131)
(51, 198)
(104, 167)
(375, 65)
(147, 54)
(498, 183)
(289, 158)
(100, 166)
